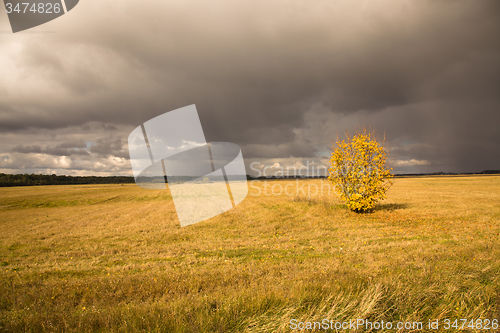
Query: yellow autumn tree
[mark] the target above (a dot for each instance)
(359, 170)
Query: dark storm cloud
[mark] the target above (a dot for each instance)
(279, 78)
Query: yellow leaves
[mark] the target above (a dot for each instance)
(358, 170)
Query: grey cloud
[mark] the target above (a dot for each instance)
(73, 144)
(27, 149)
(286, 150)
(109, 146)
(56, 151)
(426, 71)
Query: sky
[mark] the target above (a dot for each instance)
(281, 79)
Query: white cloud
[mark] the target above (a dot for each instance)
(411, 162)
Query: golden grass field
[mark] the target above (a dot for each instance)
(112, 258)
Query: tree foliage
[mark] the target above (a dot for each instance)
(359, 171)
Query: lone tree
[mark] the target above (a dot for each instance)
(359, 172)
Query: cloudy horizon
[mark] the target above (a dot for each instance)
(279, 78)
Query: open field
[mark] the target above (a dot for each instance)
(111, 258)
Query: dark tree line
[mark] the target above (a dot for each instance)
(34, 179)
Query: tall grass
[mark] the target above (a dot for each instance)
(113, 259)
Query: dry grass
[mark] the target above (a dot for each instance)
(112, 258)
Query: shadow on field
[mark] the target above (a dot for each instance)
(390, 207)
(336, 206)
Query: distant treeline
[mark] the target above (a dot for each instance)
(34, 179)
(485, 172)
